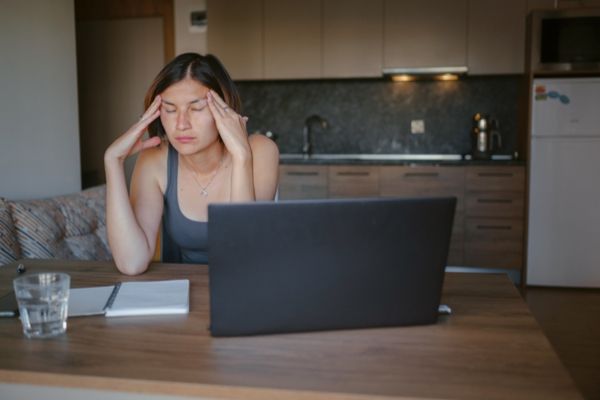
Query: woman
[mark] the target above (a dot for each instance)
(207, 157)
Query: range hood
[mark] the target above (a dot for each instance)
(439, 73)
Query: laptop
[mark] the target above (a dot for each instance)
(310, 265)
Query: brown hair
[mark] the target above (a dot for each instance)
(206, 69)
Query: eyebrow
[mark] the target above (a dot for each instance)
(191, 102)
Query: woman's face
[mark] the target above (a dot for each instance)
(185, 115)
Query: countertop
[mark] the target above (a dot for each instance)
(393, 159)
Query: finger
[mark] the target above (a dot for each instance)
(143, 123)
(218, 99)
(152, 107)
(214, 108)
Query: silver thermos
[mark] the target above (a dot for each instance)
(486, 137)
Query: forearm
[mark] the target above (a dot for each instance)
(242, 179)
(129, 245)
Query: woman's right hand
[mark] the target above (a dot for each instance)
(131, 141)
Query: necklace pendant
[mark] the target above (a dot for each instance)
(204, 192)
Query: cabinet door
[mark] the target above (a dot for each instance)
(495, 198)
(425, 33)
(494, 243)
(235, 36)
(302, 182)
(496, 36)
(429, 181)
(353, 181)
(540, 4)
(292, 39)
(352, 38)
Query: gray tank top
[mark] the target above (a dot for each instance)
(184, 240)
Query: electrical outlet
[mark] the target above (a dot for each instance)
(417, 126)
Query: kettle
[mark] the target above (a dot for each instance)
(486, 138)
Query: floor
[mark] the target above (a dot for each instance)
(571, 320)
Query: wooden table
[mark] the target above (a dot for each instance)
(490, 348)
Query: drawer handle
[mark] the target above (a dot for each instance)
(353, 173)
(422, 174)
(494, 227)
(495, 174)
(495, 201)
(303, 173)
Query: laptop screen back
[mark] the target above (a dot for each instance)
(326, 264)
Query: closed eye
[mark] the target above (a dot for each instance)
(168, 111)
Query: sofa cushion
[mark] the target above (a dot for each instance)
(67, 227)
(9, 247)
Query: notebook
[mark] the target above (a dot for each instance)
(295, 266)
(131, 298)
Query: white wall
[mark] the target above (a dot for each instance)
(187, 38)
(39, 140)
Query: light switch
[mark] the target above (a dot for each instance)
(417, 126)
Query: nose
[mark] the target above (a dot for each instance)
(183, 121)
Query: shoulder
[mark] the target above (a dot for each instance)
(263, 147)
(152, 163)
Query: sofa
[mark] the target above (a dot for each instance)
(69, 227)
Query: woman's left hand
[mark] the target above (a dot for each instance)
(231, 126)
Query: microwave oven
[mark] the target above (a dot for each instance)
(565, 41)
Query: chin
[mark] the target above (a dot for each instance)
(191, 147)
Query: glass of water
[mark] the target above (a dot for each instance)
(43, 300)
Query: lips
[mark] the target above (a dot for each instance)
(185, 139)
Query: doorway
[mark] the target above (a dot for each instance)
(121, 46)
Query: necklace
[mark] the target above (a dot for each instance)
(204, 189)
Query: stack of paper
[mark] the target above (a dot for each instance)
(131, 298)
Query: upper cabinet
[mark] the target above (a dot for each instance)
(235, 35)
(292, 46)
(425, 33)
(290, 39)
(496, 36)
(352, 38)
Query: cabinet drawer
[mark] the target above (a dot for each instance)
(423, 181)
(302, 182)
(495, 204)
(494, 242)
(353, 181)
(509, 179)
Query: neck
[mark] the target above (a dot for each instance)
(206, 161)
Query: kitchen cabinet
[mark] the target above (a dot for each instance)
(235, 36)
(352, 38)
(540, 4)
(494, 216)
(292, 42)
(353, 181)
(303, 182)
(489, 219)
(425, 33)
(430, 181)
(496, 37)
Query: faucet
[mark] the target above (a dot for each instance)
(306, 132)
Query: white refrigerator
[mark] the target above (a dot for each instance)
(563, 246)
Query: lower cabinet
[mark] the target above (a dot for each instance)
(353, 181)
(495, 214)
(489, 218)
(430, 181)
(303, 182)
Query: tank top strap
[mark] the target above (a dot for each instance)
(172, 167)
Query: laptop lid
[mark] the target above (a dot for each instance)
(311, 265)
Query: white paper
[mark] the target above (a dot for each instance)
(151, 298)
(88, 301)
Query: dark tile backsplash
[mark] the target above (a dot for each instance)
(373, 116)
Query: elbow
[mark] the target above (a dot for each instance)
(131, 267)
